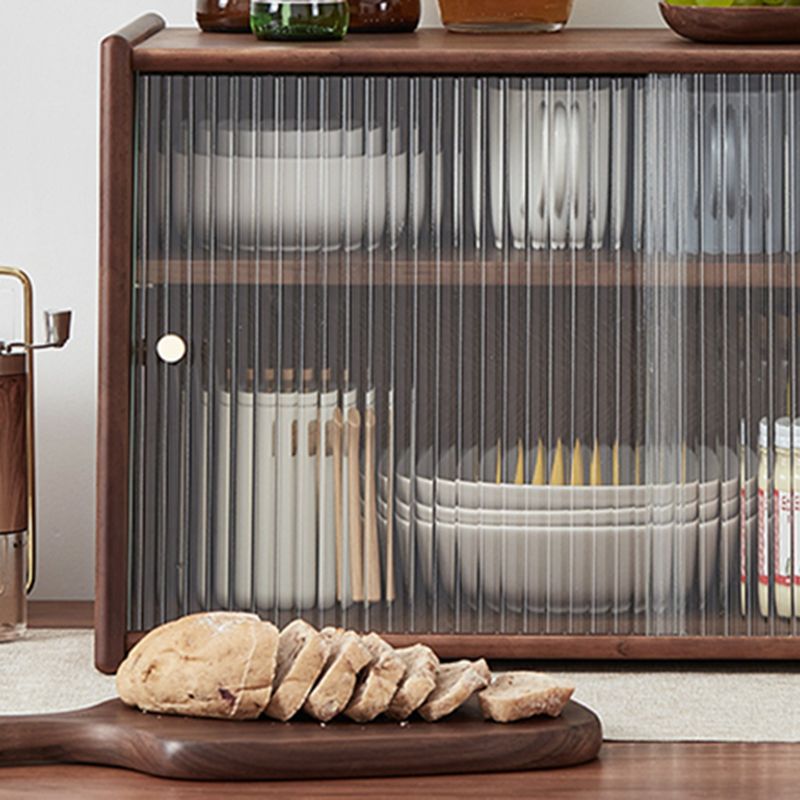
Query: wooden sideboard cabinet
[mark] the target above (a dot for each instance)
(488, 342)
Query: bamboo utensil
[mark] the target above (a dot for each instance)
(327, 578)
(595, 468)
(372, 584)
(557, 472)
(539, 477)
(337, 432)
(391, 595)
(354, 505)
(576, 473)
(519, 478)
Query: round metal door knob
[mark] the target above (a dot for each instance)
(171, 348)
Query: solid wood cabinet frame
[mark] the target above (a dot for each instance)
(146, 46)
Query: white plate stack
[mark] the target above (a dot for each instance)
(566, 549)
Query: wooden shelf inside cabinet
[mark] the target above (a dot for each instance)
(585, 268)
(431, 52)
(555, 269)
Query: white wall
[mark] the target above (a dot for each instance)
(48, 214)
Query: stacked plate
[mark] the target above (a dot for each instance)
(567, 549)
(291, 190)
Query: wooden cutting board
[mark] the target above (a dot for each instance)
(112, 734)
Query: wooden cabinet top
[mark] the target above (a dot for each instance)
(435, 52)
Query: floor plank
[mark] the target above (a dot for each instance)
(624, 771)
(60, 614)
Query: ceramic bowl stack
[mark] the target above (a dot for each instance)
(571, 191)
(581, 549)
(283, 190)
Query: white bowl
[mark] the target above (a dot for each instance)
(555, 498)
(577, 570)
(580, 517)
(445, 492)
(287, 189)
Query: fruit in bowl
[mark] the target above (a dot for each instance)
(733, 3)
(734, 21)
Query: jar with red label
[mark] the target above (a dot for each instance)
(786, 498)
(763, 517)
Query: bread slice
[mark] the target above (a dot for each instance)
(520, 695)
(218, 665)
(302, 651)
(378, 682)
(419, 681)
(346, 658)
(455, 684)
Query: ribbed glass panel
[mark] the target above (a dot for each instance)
(466, 354)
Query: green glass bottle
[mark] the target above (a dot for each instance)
(299, 19)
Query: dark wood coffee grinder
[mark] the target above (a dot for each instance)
(17, 497)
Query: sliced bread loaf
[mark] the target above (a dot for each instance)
(419, 681)
(378, 682)
(455, 684)
(519, 695)
(302, 651)
(347, 656)
(218, 665)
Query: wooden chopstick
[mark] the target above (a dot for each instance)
(372, 587)
(354, 505)
(337, 431)
(391, 595)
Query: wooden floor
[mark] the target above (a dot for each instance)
(635, 771)
(60, 614)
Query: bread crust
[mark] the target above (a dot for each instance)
(219, 665)
(378, 682)
(419, 681)
(346, 658)
(302, 652)
(514, 696)
(455, 684)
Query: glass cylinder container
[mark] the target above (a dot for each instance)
(763, 517)
(505, 16)
(13, 604)
(13, 495)
(299, 19)
(224, 16)
(786, 494)
(384, 16)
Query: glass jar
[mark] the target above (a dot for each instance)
(505, 16)
(763, 517)
(384, 16)
(13, 604)
(299, 19)
(786, 494)
(224, 16)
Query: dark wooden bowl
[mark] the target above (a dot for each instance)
(744, 25)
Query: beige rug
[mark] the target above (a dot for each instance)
(52, 671)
